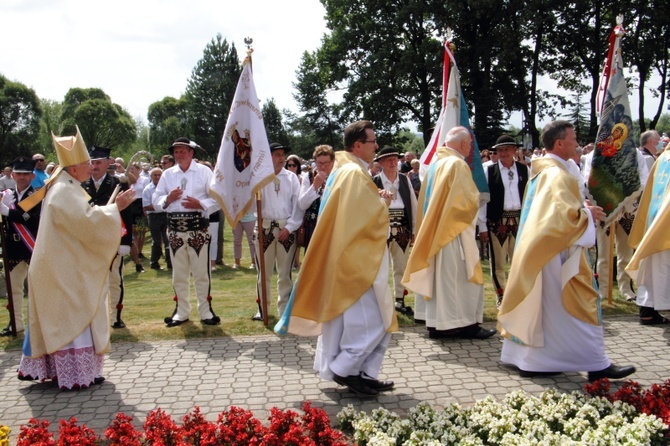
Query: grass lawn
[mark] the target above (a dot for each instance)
(148, 300)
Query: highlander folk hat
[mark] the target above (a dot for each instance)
(505, 141)
(386, 152)
(276, 146)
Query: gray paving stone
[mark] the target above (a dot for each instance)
(262, 372)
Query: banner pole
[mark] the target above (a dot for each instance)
(610, 263)
(261, 259)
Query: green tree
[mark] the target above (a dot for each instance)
(320, 120)
(20, 115)
(646, 47)
(101, 122)
(168, 120)
(383, 59)
(210, 92)
(50, 122)
(274, 127)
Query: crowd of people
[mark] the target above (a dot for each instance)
(360, 215)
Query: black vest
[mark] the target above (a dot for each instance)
(404, 191)
(495, 206)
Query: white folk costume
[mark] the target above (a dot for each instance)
(188, 234)
(500, 216)
(342, 292)
(280, 210)
(68, 330)
(444, 265)
(650, 265)
(550, 314)
(402, 224)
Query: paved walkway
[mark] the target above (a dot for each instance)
(260, 372)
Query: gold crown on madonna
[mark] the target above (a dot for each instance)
(71, 150)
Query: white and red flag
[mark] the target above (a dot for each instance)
(244, 163)
(454, 112)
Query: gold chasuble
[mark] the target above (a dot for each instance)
(649, 234)
(345, 254)
(67, 278)
(447, 208)
(552, 220)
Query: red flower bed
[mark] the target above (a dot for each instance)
(234, 427)
(652, 401)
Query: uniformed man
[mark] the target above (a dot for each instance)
(20, 231)
(100, 187)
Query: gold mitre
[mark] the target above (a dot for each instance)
(71, 150)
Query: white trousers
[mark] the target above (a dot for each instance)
(354, 342)
(277, 257)
(623, 253)
(187, 261)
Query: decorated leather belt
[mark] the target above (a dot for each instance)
(511, 214)
(186, 221)
(396, 217)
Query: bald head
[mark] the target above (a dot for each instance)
(459, 139)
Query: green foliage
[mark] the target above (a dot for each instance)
(210, 92)
(20, 115)
(100, 121)
(273, 123)
(50, 122)
(168, 120)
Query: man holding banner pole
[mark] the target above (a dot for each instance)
(19, 232)
(244, 164)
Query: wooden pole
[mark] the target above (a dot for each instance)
(610, 268)
(261, 259)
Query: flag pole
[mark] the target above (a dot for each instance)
(610, 263)
(8, 280)
(261, 259)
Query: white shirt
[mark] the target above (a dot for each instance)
(512, 196)
(147, 194)
(194, 182)
(307, 194)
(280, 200)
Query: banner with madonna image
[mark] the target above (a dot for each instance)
(614, 181)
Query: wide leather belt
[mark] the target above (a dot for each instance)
(186, 221)
(396, 217)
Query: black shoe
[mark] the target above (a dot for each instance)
(25, 377)
(356, 385)
(257, 317)
(156, 266)
(375, 384)
(477, 332)
(655, 319)
(139, 268)
(173, 323)
(401, 308)
(420, 321)
(529, 374)
(6, 332)
(612, 372)
(141, 256)
(216, 320)
(118, 324)
(99, 380)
